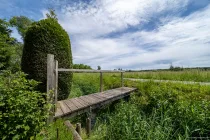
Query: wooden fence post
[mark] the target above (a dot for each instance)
(122, 79)
(88, 126)
(101, 81)
(50, 84)
(56, 84)
(78, 128)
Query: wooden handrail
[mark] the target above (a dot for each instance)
(88, 71)
(52, 80)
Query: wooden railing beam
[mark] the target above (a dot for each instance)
(88, 71)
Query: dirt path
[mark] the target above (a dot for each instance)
(184, 82)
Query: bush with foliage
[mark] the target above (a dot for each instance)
(21, 115)
(42, 38)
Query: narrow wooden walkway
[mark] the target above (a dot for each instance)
(76, 106)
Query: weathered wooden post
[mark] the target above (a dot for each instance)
(88, 126)
(122, 79)
(56, 84)
(50, 84)
(101, 81)
(78, 128)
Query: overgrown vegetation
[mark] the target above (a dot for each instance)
(157, 111)
(22, 109)
(50, 132)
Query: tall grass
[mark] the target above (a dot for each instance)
(159, 111)
(50, 132)
(186, 75)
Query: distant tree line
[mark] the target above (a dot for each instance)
(81, 66)
(172, 69)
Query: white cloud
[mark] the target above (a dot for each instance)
(184, 41)
(105, 16)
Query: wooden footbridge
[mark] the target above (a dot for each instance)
(75, 106)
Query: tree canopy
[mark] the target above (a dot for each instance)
(21, 23)
(81, 66)
(7, 45)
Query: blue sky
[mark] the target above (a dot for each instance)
(128, 34)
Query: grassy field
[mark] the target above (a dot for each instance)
(161, 111)
(186, 75)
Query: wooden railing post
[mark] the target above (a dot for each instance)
(56, 83)
(50, 85)
(122, 79)
(101, 81)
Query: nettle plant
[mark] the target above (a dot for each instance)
(22, 109)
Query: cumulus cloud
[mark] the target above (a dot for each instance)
(183, 41)
(105, 16)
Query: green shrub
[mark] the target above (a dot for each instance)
(21, 115)
(42, 38)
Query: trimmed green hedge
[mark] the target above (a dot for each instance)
(42, 38)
